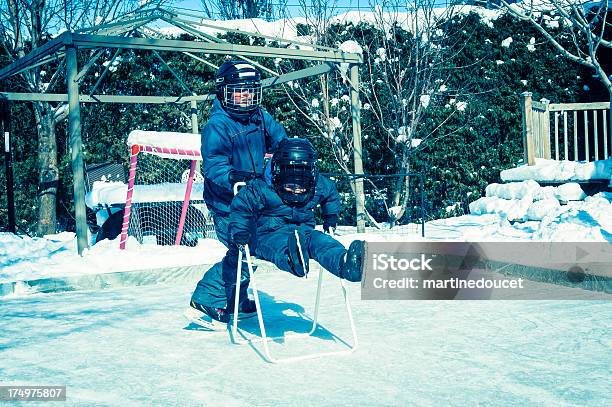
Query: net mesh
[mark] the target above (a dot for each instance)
(159, 191)
(379, 192)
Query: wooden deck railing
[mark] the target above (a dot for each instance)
(565, 131)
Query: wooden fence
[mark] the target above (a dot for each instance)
(565, 131)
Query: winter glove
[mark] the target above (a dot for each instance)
(242, 237)
(241, 176)
(329, 223)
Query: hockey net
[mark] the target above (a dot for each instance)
(164, 200)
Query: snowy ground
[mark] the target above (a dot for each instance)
(130, 346)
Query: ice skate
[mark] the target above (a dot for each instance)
(352, 269)
(214, 319)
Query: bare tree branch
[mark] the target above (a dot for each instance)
(581, 17)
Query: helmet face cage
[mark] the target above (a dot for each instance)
(242, 97)
(238, 86)
(294, 181)
(294, 171)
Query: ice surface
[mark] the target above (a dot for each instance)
(131, 347)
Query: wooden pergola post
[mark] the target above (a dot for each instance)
(76, 148)
(357, 150)
(545, 129)
(528, 153)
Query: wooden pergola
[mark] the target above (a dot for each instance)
(116, 35)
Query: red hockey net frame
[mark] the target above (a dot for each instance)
(136, 149)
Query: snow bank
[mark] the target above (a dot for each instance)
(562, 213)
(491, 204)
(540, 209)
(511, 209)
(25, 258)
(545, 219)
(515, 190)
(590, 220)
(525, 200)
(551, 170)
(570, 191)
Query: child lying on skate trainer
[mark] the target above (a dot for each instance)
(265, 214)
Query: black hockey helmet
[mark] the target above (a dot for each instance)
(294, 171)
(238, 86)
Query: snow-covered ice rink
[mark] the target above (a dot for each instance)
(131, 346)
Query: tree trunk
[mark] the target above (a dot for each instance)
(48, 178)
(401, 192)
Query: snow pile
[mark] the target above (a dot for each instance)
(540, 209)
(580, 221)
(351, 46)
(570, 191)
(511, 209)
(526, 200)
(22, 252)
(165, 139)
(562, 213)
(515, 190)
(552, 170)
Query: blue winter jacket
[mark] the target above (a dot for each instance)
(259, 201)
(227, 143)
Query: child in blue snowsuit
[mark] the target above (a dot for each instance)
(266, 213)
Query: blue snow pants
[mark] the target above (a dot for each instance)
(323, 248)
(273, 247)
(217, 286)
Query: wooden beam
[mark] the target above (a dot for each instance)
(97, 41)
(295, 75)
(62, 97)
(34, 56)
